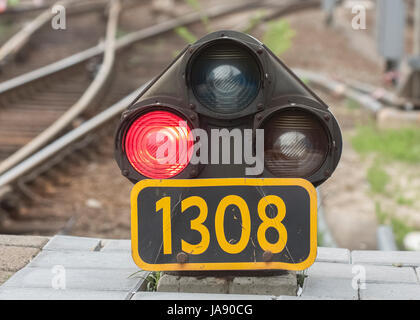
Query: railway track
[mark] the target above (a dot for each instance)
(38, 44)
(40, 98)
(31, 105)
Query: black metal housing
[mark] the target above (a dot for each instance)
(280, 88)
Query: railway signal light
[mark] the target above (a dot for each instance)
(227, 81)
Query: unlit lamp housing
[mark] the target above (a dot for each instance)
(225, 76)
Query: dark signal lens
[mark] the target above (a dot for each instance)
(295, 143)
(159, 144)
(225, 77)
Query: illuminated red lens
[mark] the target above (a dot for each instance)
(159, 144)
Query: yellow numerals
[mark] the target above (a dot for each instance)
(270, 201)
(197, 224)
(164, 204)
(246, 224)
(265, 205)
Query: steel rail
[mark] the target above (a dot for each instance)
(52, 131)
(378, 93)
(82, 104)
(18, 41)
(339, 88)
(128, 40)
(67, 139)
(141, 35)
(102, 118)
(19, 9)
(317, 79)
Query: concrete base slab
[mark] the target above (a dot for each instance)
(333, 255)
(116, 245)
(329, 288)
(372, 273)
(103, 269)
(52, 294)
(69, 243)
(84, 260)
(387, 258)
(396, 291)
(277, 285)
(77, 279)
(285, 284)
(196, 296)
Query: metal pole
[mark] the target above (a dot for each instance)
(417, 29)
(416, 52)
(386, 239)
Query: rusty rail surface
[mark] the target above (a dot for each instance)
(319, 80)
(18, 41)
(92, 92)
(25, 142)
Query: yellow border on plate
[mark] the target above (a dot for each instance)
(224, 265)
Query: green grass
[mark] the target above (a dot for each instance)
(400, 229)
(320, 239)
(300, 279)
(186, 34)
(377, 178)
(12, 3)
(153, 280)
(195, 4)
(401, 200)
(278, 36)
(381, 216)
(352, 104)
(390, 144)
(254, 21)
(305, 81)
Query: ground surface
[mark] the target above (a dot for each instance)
(91, 268)
(100, 188)
(94, 200)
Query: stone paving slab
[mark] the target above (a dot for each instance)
(101, 269)
(372, 273)
(68, 243)
(329, 288)
(84, 260)
(333, 255)
(197, 296)
(86, 279)
(395, 291)
(305, 298)
(52, 294)
(88, 273)
(277, 285)
(14, 258)
(20, 241)
(116, 245)
(387, 258)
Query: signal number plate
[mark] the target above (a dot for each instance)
(223, 224)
